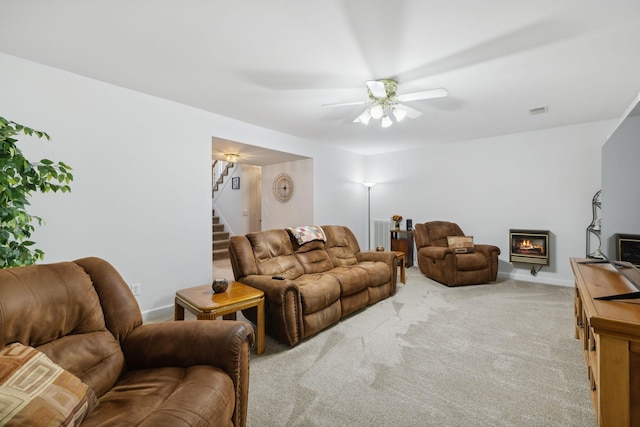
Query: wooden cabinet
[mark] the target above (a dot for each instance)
(610, 335)
(402, 241)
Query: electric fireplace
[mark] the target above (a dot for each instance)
(529, 246)
(628, 248)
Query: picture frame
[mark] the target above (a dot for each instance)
(235, 183)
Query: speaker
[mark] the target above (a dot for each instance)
(409, 225)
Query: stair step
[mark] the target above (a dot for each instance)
(220, 244)
(218, 227)
(215, 220)
(220, 235)
(220, 254)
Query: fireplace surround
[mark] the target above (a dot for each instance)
(529, 246)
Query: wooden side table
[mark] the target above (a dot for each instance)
(402, 241)
(401, 264)
(205, 305)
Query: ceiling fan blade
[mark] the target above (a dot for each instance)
(425, 94)
(377, 88)
(340, 104)
(411, 113)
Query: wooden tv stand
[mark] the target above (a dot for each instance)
(610, 335)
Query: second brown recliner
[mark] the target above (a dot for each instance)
(439, 262)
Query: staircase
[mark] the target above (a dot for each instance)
(224, 173)
(220, 239)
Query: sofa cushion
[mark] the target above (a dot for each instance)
(317, 291)
(352, 279)
(36, 391)
(341, 245)
(274, 254)
(378, 272)
(314, 257)
(168, 396)
(65, 321)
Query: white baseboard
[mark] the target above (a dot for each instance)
(158, 313)
(535, 279)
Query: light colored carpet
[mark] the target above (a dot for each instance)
(502, 354)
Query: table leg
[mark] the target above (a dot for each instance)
(260, 327)
(178, 311)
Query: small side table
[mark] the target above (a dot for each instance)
(205, 305)
(402, 240)
(401, 264)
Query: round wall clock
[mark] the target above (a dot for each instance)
(282, 187)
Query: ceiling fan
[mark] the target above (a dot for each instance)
(384, 102)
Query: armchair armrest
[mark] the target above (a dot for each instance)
(488, 250)
(436, 252)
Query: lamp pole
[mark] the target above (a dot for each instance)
(369, 185)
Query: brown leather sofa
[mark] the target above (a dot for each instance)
(324, 281)
(83, 316)
(439, 262)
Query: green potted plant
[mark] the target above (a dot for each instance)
(19, 178)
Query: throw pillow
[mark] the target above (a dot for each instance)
(36, 391)
(461, 244)
(307, 234)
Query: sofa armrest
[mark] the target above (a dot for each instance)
(283, 306)
(224, 344)
(187, 343)
(388, 257)
(381, 256)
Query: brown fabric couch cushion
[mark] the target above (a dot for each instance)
(274, 254)
(317, 291)
(170, 396)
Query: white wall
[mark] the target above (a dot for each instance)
(535, 180)
(620, 179)
(141, 198)
(298, 210)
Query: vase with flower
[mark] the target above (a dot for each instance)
(396, 221)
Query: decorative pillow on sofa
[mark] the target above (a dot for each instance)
(461, 244)
(36, 391)
(307, 234)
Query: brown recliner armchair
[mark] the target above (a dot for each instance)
(84, 318)
(439, 262)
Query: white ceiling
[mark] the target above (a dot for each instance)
(273, 63)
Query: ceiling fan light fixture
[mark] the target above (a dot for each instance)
(363, 118)
(376, 112)
(386, 121)
(399, 113)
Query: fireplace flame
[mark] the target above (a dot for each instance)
(528, 247)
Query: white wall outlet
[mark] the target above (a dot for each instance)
(135, 288)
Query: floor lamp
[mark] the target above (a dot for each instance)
(369, 185)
